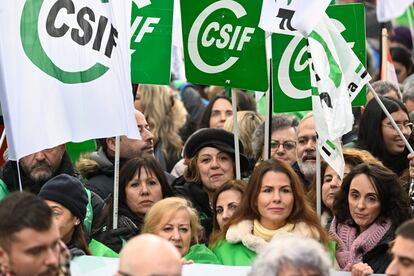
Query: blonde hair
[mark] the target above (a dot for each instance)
(247, 121)
(165, 114)
(165, 209)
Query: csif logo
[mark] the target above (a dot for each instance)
(70, 23)
(229, 37)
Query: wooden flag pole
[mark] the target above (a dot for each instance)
(116, 182)
(235, 127)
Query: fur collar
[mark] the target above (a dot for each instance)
(243, 232)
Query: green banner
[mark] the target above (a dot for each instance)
(223, 43)
(151, 28)
(291, 76)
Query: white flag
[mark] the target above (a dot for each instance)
(64, 72)
(337, 76)
(390, 9)
(292, 16)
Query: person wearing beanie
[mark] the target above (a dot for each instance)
(68, 199)
(210, 156)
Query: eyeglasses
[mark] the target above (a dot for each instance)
(401, 126)
(287, 145)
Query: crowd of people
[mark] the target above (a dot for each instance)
(180, 201)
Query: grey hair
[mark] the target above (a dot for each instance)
(408, 91)
(383, 87)
(278, 122)
(296, 251)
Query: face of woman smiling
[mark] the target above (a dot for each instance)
(215, 168)
(275, 200)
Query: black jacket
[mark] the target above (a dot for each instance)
(199, 199)
(8, 173)
(378, 258)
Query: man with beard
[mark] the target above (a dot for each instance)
(98, 168)
(29, 238)
(37, 168)
(305, 166)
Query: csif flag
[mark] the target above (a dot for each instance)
(65, 72)
(286, 16)
(337, 76)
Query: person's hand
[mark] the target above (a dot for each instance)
(361, 269)
(411, 166)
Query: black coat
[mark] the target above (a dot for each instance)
(378, 258)
(199, 199)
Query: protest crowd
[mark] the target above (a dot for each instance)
(180, 202)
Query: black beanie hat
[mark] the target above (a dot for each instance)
(67, 191)
(217, 138)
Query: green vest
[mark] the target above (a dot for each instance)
(200, 254)
(234, 254)
(99, 249)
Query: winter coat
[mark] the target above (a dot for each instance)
(129, 225)
(199, 199)
(241, 245)
(9, 183)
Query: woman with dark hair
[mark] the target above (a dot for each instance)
(377, 135)
(331, 182)
(369, 207)
(274, 203)
(403, 62)
(226, 201)
(216, 112)
(67, 198)
(142, 183)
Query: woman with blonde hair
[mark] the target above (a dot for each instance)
(247, 122)
(166, 115)
(176, 221)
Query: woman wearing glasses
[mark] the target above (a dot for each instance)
(377, 135)
(283, 139)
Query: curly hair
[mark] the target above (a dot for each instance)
(394, 201)
(165, 114)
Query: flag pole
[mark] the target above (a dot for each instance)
(384, 60)
(318, 180)
(269, 113)
(394, 125)
(3, 136)
(384, 67)
(235, 128)
(116, 182)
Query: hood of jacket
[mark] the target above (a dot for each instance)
(243, 232)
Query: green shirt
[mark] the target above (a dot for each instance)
(200, 254)
(234, 254)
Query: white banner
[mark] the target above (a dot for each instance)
(390, 9)
(65, 72)
(337, 77)
(292, 16)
